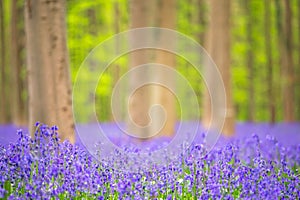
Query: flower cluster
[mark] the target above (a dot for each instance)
(43, 168)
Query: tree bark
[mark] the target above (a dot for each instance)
(141, 15)
(250, 63)
(288, 68)
(161, 14)
(49, 84)
(201, 19)
(116, 68)
(284, 30)
(218, 46)
(268, 46)
(18, 100)
(162, 95)
(4, 117)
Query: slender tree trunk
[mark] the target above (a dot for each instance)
(162, 95)
(284, 31)
(49, 84)
(201, 19)
(198, 18)
(218, 46)
(162, 14)
(269, 61)
(250, 63)
(141, 15)
(116, 67)
(288, 68)
(4, 116)
(278, 10)
(139, 101)
(17, 63)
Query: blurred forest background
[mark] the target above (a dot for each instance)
(264, 37)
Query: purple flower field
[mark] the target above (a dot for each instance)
(262, 161)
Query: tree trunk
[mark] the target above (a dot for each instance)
(250, 63)
(18, 100)
(116, 68)
(141, 15)
(162, 95)
(49, 84)
(4, 118)
(288, 68)
(218, 46)
(201, 19)
(284, 31)
(144, 13)
(272, 114)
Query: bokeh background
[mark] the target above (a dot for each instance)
(263, 51)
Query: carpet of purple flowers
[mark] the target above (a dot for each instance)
(251, 168)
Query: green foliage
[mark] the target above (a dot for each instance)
(91, 22)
